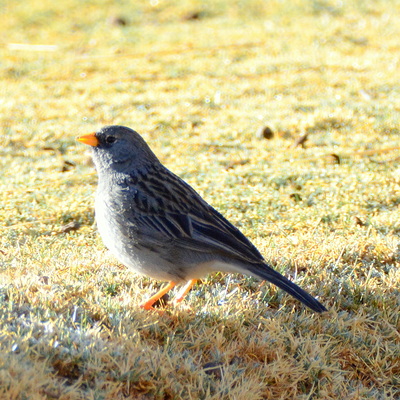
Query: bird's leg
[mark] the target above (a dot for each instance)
(148, 305)
(183, 292)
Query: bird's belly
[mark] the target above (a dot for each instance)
(120, 238)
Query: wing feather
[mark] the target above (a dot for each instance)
(169, 210)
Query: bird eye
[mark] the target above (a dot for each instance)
(110, 139)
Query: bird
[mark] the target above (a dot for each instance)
(157, 225)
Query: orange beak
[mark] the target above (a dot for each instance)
(89, 139)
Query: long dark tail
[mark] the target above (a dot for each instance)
(265, 272)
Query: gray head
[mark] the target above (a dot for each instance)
(119, 149)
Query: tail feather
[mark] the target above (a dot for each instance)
(265, 272)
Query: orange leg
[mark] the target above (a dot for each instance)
(183, 292)
(148, 305)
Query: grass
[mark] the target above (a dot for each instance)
(199, 80)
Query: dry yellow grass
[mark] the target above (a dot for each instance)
(198, 80)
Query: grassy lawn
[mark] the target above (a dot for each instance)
(200, 80)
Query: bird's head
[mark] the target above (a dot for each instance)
(119, 149)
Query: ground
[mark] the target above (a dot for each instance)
(318, 194)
